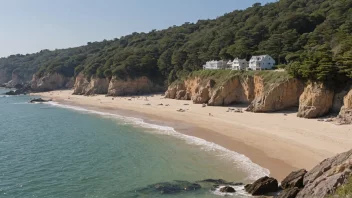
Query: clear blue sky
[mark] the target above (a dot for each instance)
(27, 26)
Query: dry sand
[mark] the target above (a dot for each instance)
(280, 141)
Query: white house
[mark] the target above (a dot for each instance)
(238, 64)
(262, 62)
(215, 65)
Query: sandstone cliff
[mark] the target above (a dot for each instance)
(90, 86)
(278, 96)
(141, 85)
(49, 82)
(315, 101)
(254, 90)
(114, 87)
(345, 115)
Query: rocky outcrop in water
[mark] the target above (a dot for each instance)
(262, 186)
(20, 89)
(38, 100)
(90, 86)
(315, 101)
(278, 97)
(170, 187)
(49, 82)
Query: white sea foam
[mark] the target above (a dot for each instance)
(253, 170)
(4, 96)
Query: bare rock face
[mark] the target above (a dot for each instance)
(235, 90)
(345, 115)
(327, 176)
(180, 94)
(48, 82)
(278, 97)
(141, 85)
(288, 193)
(294, 179)
(262, 186)
(315, 101)
(202, 96)
(173, 89)
(90, 86)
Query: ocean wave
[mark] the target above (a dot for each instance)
(253, 170)
(4, 96)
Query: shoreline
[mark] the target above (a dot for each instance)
(256, 142)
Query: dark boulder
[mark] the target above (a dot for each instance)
(288, 193)
(294, 179)
(262, 186)
(170, 187)
(11, 93)
(38, 100)
(227, 189)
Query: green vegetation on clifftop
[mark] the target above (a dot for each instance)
(313, 38)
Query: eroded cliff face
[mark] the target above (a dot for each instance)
(90, 86)
(345, 115)
(315, 101)
(49, 82)
(141, 85)
(278, 96)
(239, 89)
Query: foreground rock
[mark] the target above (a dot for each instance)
(262, 186)
(316, 101)
(40, 100)
(227, 189)
(288, 193)
(327, 176)
(294, 179)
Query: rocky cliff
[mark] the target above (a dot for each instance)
(278, 96)
(50, 81)
(90, 86)
(254, 90)
(345, 115)
(316, 101)
(114, 87)
(141, 85)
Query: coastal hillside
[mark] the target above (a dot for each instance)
(310, 38)
(264, 91)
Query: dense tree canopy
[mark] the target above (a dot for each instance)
(311, 38)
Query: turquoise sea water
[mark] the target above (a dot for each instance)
(50, 150)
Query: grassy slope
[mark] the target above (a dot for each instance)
(345, 190)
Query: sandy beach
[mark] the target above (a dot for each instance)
(280, 141)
